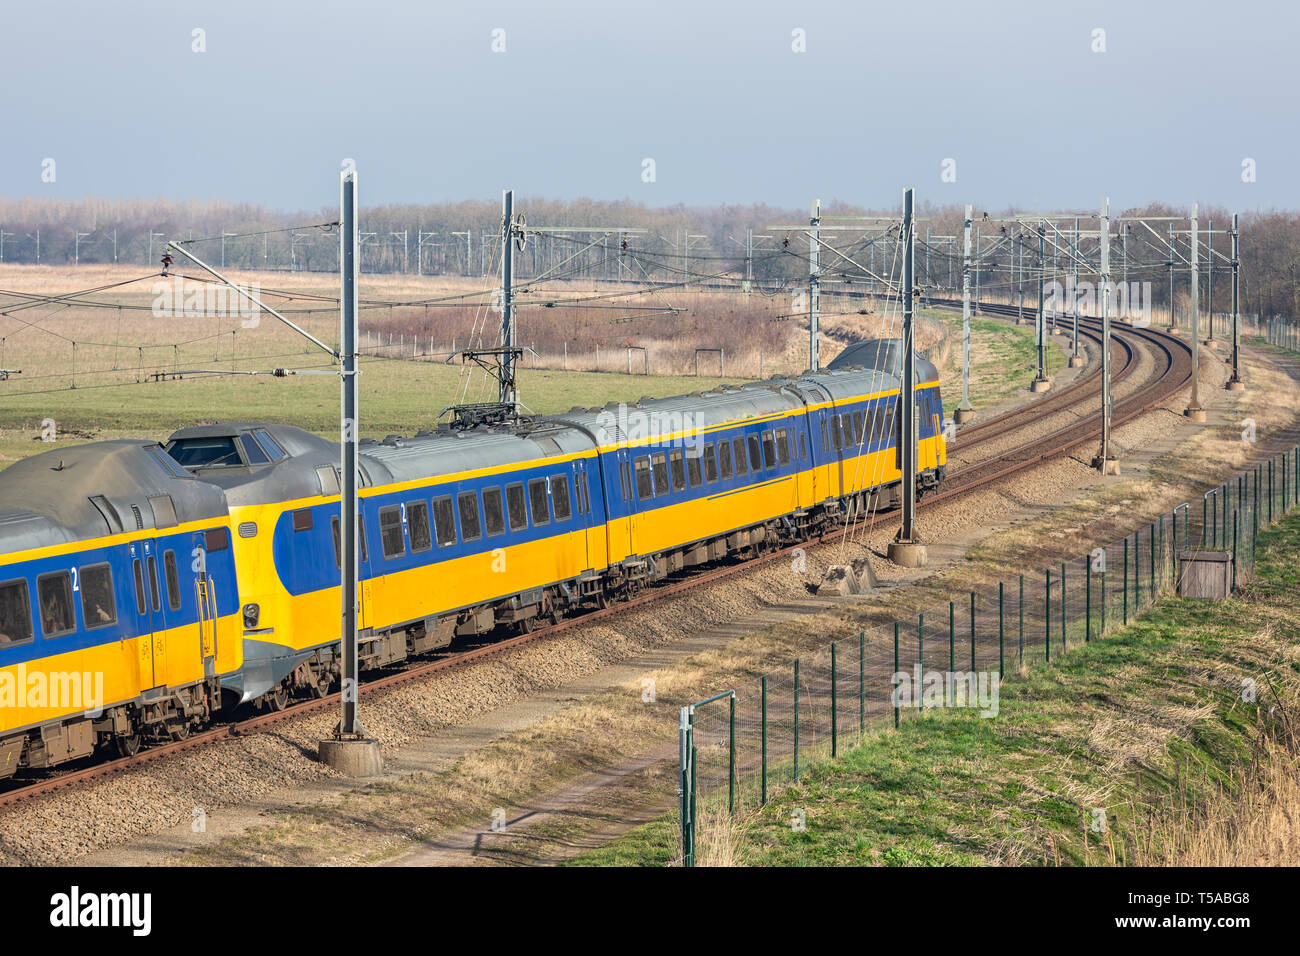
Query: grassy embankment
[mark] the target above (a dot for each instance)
(1150, 728)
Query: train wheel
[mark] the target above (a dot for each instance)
(127, 746)
(278, 699)
(179, 730)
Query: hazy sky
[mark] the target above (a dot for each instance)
(712, 91)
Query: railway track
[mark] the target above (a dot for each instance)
(1175, 374)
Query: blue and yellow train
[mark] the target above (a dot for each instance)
(145, 586)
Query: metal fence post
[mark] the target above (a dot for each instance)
(1002, 660)
(1087, 601)
(1151, 565)
(685, 810)
(1137, 573)
(920, 652)
(894, 682)
(952, 637)
(1234, 551)
(835, 726)
(731, 762)
(796, 720)
(1047, 615)
(763, 785)
(1065, 641)
(1022, 620)
(1126, 576)
(972, 632)
(862, 675)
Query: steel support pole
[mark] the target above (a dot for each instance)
(1194, 410)
(1041, 322)
(1234, 381)
(508, 395)
(814, 286)
(1105, 463)
(906, 547)
(964, 409)
(349, 259)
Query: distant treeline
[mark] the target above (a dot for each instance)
(674, 244)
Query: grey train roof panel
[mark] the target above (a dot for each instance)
(884, 354)
(47, 499)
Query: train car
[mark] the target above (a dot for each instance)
(118, 602)
(462, 530)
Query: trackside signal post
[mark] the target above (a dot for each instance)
(906, 549)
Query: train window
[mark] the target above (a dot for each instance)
(560, 497)
(169, 574)
(361, 539)
(693, 471)
(302, 519)
(738, 446)
(724, 459)
(216, 539)
(154, 599)
(678, 468)
(537, 501)
(417, 521)
(139, 587)
(803, 449)
(97, 606)
(204, 452)
(518, 510)
(15, 614)
(755, 454)
(390, 532)
(494, 517)
(580, 485)
(444, 521)
(467, 505)
(782, 446)
(253, 451)
(769, 449)
(659, 461)
(826, 440)
(644, 489)
(54, 594)
(859, 435)
(846, 428)
(835, 432)
(710, 463)
(269, 444)
(626, 475)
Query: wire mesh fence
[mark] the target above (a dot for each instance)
(740, 748)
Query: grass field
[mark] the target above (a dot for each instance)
(1147, 730)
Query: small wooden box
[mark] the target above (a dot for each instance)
(1205, 574)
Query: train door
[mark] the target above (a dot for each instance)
(582, 501)
(151, 619)
(365, 593)
(625, 489)
(205, 597)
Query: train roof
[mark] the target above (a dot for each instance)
(100, 488)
